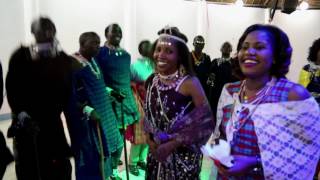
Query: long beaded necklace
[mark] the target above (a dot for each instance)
(155, 84)
(236, 123)
(92, 65)
(256, 96)
(197, 61)
(95, 68)
(149, 103)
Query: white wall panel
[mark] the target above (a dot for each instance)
(73, 17)
(302, 28)
(227, 23)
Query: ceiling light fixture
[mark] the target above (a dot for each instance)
(304, 5)
(239, 3)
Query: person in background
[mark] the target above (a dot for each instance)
(220, 74)
(310, 73)
(141, 69)
(266, 118)
(115, 62)
(310, 76)
(201, 63)
(97, 134)
(178, 118)
(5, 154)
(39, 88)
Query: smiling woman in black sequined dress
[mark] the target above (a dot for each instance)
(178, 117)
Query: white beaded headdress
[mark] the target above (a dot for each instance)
(167, 34)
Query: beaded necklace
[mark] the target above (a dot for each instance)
(162, 110)
(172, 76)
(95, 68)
(92, 65)
(255, 97)
(237, 123)
(197, 61)
(164, 87)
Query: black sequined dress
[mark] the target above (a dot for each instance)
(162, 108)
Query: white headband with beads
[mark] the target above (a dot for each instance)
(164, 37)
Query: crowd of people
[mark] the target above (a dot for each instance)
(168, 103)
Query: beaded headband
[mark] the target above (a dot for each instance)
(198, 41)
(166, 37)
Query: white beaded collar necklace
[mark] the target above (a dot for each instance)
(173, 76)
(92, 65)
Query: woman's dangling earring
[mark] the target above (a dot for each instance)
(182, 70)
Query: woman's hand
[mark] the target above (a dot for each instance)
(241, 165)
(165, 149)
(152, 145)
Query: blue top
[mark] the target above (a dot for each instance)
(115, 66)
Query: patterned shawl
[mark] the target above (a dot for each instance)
(193, 129)
(288, 138)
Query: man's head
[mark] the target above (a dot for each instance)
(226, 49)
(144, 48)
(314, 52)
(43, 30)
(113, 34)
(198, 43)
(89, 44)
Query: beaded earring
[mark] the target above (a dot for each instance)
(182, 70)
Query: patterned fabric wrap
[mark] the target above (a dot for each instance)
(138, 135)
(115, 66)
(279, 131)
(96, 91)
(199, 120)
(288, 138)
(245, 140)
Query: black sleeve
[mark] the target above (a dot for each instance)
(78, 97)
(208, 59)
(73, 109)
(16, 81)
(213, 66)
(5, 154)
(207, 62)
(81, 94)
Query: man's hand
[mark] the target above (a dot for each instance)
(94, 116)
